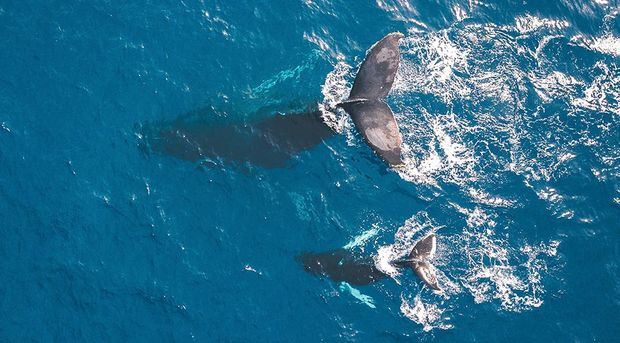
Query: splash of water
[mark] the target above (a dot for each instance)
(430, 316)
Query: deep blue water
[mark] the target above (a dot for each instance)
(509, 110)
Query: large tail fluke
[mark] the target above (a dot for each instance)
(373, 117)
(375, 121)
(376, 74)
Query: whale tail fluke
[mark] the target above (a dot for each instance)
(425, 248)
(418, 260)
(376, 74)
(427, 272)
(373, 117)
(377, 124)
(422, 252)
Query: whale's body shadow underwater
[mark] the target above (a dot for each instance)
(272, 142)
(268, 143)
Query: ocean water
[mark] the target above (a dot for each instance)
(509, 112)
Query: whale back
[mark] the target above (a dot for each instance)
(342, 265)
(270, 143)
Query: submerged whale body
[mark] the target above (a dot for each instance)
(271, 143)
(342, 265)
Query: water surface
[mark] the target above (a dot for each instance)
(510, 114)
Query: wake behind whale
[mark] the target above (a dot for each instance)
(272, 142)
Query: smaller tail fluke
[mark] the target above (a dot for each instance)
(426, 271)
(425, 248)
(423, 251)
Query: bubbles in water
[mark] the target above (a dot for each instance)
(360, 240)
(363, 298)
(603, 94)
(529, 23)
(477, 105)
(406, 236)
(430, 316)
(482, 263)
(335, 90)
(496, 270)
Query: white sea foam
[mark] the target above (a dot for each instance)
(554, 85)
(335, 89)
(497, 271)
(459, 13)
(607, 44)
(603, 94)
(428, 66)
(485, 198)
(429, 315)
(530, 23)
(477, 217)
(439, 153)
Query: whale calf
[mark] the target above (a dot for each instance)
(272, 142)
(342, 265)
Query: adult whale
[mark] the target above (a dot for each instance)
(269, 143)
(272, 142)
(341, 265)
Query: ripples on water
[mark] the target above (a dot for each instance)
(509, 113)
(518, 103)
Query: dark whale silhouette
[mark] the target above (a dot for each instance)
(342, 265)
(272, 142)
(269, 143)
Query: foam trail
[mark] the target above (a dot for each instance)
(335, 89)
